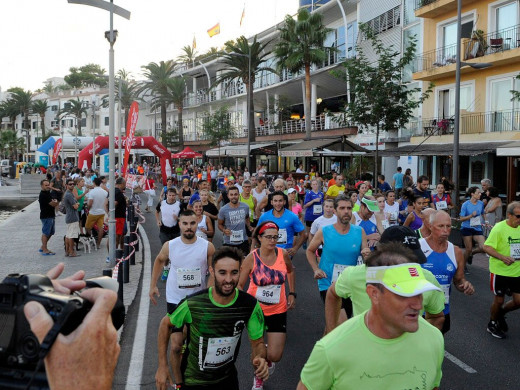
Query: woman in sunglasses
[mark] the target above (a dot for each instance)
(268, 267)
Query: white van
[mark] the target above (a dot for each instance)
(4, 167)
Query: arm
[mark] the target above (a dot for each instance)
(158, 265)
(158, 218)
(492, 206)
(508, 260)
(259, 356)
(365, 250)
(262, 205)
(332, 308)
(311, 255)
(222, 227)
(409, 219)
(245, 270)
(211, 252)
(163, 379)
(311, 202)
(302, 236)
(209, 228)
(459, 280)
(291, 279)
(436, 320)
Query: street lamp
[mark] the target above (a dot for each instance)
(456, 129)
(111, 37)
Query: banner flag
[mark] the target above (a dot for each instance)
(133, 115)
(57, 149)
(214, 30)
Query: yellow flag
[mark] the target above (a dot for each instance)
(243, 14)
(194, 45)
(214, 30)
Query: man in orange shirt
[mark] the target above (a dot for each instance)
(332, 181)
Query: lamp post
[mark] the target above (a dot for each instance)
(111, 37)
(456, 129)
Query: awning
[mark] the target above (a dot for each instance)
(510, 149)
(317, 147)
(465, 149)
(241, 150)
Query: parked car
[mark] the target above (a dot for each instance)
(4, 167)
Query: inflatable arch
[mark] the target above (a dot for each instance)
(85, 156)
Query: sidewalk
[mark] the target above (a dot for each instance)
(20, 239)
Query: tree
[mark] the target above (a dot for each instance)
(380, 99)
(90, 74)
(243, 61)
(218, 127)
(76, 109)
(9, 110)
(10, 143)
(157, 86)
(128, 94)
(21, 101)
(40, 107)
(210, 54)
(188, 57)
(301, 45)
(176, 93)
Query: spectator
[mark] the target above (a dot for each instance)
(382, 185)
(398, 181)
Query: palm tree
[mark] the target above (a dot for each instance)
(243, 62)
(8, 109)
(177, 94)
(10, 143)
(76, 109)
(40, 107)
(128, 94)
(22, 101)
(301, 45)
(157, 85)
(188, 57)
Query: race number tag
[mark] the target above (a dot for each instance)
(188, 278)
(385, 224)
(317, 209)
(441, 205)
(282, 237)
(446, 291)
(220, 351)
(393, 217)
(269, 294)
(337, 270)
(474, 221)
(341, 192)
(201, 234)
(514, 250)
(237, 236)
(360, 260)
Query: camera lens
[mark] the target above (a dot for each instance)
(30, 346)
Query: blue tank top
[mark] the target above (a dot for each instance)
(340, 250)
(443, 266)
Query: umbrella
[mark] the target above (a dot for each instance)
(187, 153)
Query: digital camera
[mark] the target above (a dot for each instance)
(19, 347)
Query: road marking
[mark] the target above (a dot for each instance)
(135, 369)
(459, 363)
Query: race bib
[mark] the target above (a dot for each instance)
(393, 216)
(282, 237)
(441, 205)
(269, 294)
(385, 224)
(237, 236)
(514, 250)
(201, 234)
(340, 192)
(446, 291)
(317, 209)
(475, 221)
(337, 270)
(220, 351)
(188, 278)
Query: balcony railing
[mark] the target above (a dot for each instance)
(479, 45)
(318, 123)
(470, 123)
(423, 3)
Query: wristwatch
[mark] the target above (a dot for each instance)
(293, 294)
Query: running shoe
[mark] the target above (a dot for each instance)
(270, 368)
(164, 275)
(495, 331)
(258, 384)
(501, 322)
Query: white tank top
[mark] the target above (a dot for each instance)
(167, 211)
(202, 225)
(259, 196)
(189, 266)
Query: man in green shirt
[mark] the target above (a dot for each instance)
(390, 346)
(352, 284)
(503, 248)
(215, 319)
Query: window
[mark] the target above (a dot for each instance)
(500, 93)
(446, 101)
(409, 34)
(67, 106)
(385, 21)
(106, 121)
(352, 32)
(409, 12)
(506, 16)
(54, 124)
(83, 122)
(54, 108)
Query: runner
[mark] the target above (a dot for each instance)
(352, 284)
(233, 222)
(268, 267)
(445, 261)
(288, 224)
(259, 192)
(313, 205)
(337, 189)
(266, 204)
(149, 189)
(391, 208)
(471, 216)
(343, 243)
(248, 198)
(294, 205)
(186, 193)
(167, 217)
(190, 257)
(169, 184)
(414, 220)
(366, 219)
(503, 248)
(328, 218)
(215, 319)
(210, 208)
(204, 225)
(441, 200)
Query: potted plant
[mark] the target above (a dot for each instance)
(479, 39)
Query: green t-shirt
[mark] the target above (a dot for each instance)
(352, 357)
(214, 333)
(503, 238)
(352, 283)
(178, 170)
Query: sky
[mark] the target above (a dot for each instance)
(40, 39)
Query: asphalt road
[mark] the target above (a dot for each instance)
(483, 362)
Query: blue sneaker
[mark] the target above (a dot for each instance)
(164, 275)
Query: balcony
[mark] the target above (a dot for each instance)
(498, 47)
(470, 123)
(434, 8)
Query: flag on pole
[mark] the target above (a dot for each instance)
(57, 148)
(243, 14)
(194, 45)
(214, 30)
(133, 115)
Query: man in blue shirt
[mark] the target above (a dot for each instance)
(382, 184)
(288, 222)
(398, 181)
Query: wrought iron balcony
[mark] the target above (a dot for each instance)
(421, 3)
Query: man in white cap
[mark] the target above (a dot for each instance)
(366, 219)
(395, 347)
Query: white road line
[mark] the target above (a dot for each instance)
(459, 363)
(135, 370)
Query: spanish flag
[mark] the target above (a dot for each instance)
(214, 30)
(194, 45)
(243, 15)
